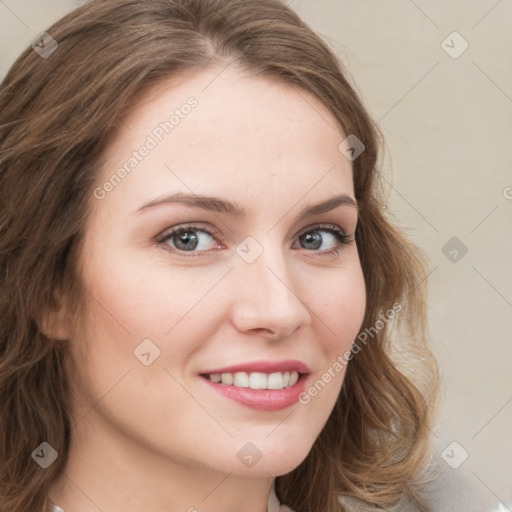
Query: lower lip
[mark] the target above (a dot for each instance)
(262, 399)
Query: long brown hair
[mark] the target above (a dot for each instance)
(58, 112)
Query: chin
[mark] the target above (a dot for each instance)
(281, 465)
(282, 460)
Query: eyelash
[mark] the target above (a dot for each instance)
(341, 237)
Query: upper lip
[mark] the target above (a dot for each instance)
(262, 367)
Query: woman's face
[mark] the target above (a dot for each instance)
(257, 281)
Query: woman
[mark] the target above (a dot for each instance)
(201, 294)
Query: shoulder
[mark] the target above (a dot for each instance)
(447, 489)
(456, 489)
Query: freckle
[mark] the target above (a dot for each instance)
(273, 174)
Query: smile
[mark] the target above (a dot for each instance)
(256, 380)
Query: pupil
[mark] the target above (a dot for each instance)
(187, 241)
(314, 239)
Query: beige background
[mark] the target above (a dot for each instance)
(448, 125)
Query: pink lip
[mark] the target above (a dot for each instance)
(263, 367)
(261, 399)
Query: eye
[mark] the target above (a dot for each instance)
(189, 239)
(326, 239)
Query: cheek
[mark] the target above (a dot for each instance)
(132, 301)
(340, 307)
(144, 297)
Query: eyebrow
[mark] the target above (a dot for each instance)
(233, 209)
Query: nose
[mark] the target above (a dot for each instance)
(266, 299)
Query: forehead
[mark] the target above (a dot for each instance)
(242, 131)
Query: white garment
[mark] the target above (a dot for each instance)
(54, 508)
(272, 506)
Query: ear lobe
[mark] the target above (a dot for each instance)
(54, 321)
(54, 326)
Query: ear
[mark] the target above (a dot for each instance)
(54, 321)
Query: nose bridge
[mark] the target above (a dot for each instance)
(267, 295)
(268, 269)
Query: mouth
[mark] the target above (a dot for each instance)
(256, 380)
(265, 386)
(266, 391)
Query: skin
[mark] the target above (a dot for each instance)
(156, 437)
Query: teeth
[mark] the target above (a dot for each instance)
(241, 380)
(227, 378)
(275, 381)
(256, 380)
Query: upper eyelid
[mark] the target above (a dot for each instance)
(322, 226)
(183, 227)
